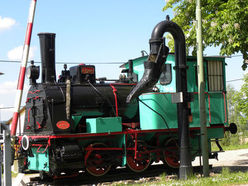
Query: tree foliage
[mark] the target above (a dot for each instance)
(224, 24)
(241, 99)
(237, 102)
(233, 112)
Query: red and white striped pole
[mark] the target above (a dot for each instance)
(23, 67)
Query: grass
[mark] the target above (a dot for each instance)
(230, 147)
(224, 179)
(236, 147)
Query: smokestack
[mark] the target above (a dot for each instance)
(47, 50)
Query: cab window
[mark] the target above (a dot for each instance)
(215, 76)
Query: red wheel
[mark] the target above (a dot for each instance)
(171, 153)
(95, 160)
(143, 158)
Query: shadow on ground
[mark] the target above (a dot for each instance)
(231, 168)
(124, 175)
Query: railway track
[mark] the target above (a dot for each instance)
(119, 175)
(235, 160)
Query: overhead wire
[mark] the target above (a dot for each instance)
(64, 62)
(100, 63)
(235, 80)
(79, 62)
(235, 56)
(2, 108)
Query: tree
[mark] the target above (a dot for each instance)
(237, 102)
(233, 112)
(241, 99)
(224, 24)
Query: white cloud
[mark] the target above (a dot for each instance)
(5, 113)
(7, 98)
(6, 23)
(16, 53)
(8, 87)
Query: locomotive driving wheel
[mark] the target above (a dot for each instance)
(44, 176)
(96, 160)
(142, 160)
(171, 153)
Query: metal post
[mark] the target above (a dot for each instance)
(7, 156)
(1, 153)
(201, 91)
(1, 162)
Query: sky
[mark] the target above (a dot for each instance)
(88, 31)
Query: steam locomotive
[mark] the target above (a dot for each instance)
(82, 123)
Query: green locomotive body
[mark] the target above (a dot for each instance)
(77, 124)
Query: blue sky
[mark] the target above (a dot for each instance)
(86, 31)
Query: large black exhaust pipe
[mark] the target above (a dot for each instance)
(153, 68)
(47, 50)
(151, 75)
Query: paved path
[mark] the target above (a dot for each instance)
(236, 160)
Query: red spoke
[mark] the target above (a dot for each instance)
(142, 160)
(95, 161)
